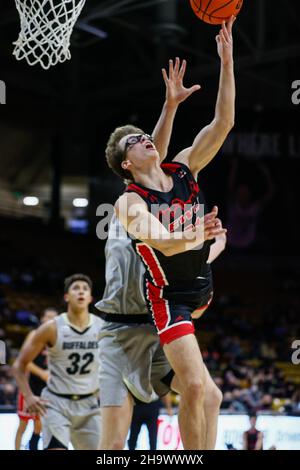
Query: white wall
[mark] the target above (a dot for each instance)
(281, 431)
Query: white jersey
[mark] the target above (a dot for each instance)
(74, 359)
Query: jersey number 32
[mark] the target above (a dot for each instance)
(80, 363)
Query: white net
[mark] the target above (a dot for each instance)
(46, 28)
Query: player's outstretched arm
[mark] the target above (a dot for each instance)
(210, 139)
(176, 93)
(44, 336)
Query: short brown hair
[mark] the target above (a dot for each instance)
(48, 309)
(77, 277)
(114, 154)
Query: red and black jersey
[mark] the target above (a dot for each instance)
(182, 209)
(178, 285)
(252, 438)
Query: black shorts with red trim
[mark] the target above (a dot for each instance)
(172, 306)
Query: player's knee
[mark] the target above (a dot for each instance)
(213, 396)
(195, 390)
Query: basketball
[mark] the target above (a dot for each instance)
(216, 11)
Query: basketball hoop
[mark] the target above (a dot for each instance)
(46, 28)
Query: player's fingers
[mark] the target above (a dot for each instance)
(193, 89)
(216, 232)
(210, 227)
(222, 31)
(41, 411)
(212, 214)
(182, 69)
(212, 224)
(176, 68)
(209, 223)
(165, 76)
(209, 219)
(171, 69)
(35, 409)
(218, 223)
(43, 401)
(230, 24)
(42, 408)
(225, 29)
(214, 210)
(210, 234)
(223, 38)
(221, 232)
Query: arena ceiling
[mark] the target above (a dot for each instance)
(118, 48)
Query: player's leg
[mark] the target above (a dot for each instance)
(185, 358)
(115, 400)
(151, 421)
(20, 431)
(136, 424)
(34, 440)
(115, 424)
(212, 402)
(24, 417)
(126, 356)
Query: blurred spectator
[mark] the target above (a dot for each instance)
(253, 439)
(8, 389)
(244, 208)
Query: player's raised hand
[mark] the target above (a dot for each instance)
(212, 225)
(225, 42)
(176, 92)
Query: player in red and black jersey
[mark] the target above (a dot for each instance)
(180, 285)
(173, 244)
(38, 376)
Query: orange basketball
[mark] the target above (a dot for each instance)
(216, 11)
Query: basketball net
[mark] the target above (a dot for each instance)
(46, 28)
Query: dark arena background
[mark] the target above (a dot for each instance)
(54, 175)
